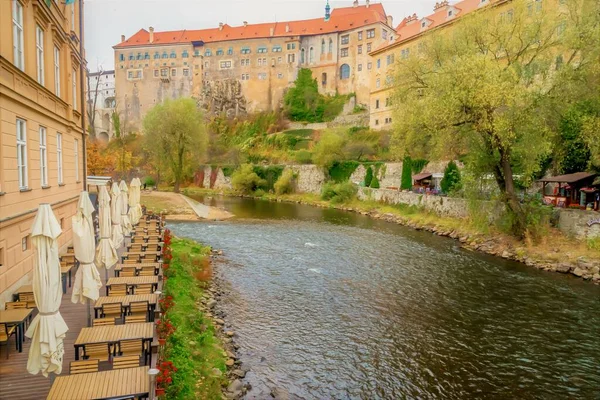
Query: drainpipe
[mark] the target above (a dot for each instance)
(82, 96)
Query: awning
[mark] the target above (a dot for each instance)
(421, 176)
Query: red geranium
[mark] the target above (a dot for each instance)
(166, 303)
(163, 379)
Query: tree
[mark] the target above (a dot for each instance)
(91, 101)
(246, 180)
(329, 149)
(359, 149)
(375, 182)
(99, 161)
(303, 101)
(482, 89)
(175, 137)
(451, 180)
(368, 176)
(406, 178)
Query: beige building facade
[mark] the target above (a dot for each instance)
(42, 143)
(247, 68)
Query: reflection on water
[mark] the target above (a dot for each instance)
(328, 304)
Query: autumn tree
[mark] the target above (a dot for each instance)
(175, 137)
(482, 89)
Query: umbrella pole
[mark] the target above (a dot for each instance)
(89, 322)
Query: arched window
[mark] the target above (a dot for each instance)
(302, 59)
(330, 46)
(156, 56)
(165, 55)
(344, 71)
(323, 46)
(311, 55)
(185, 54)
(173, 54)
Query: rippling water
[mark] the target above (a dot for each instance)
(332, 305)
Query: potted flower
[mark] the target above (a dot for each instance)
(164, 378)
(164, 329)
(166, 303)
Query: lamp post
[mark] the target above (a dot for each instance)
(152, 372)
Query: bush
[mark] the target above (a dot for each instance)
(149, 181)
(451, 180)
(375, 182)
(368, 176)
(339, 192)
(537, 219)
(270, 174)
(285, 183)
(246, 180)
(303, 157)
(406, 182)
(340, 171)
(329, 149)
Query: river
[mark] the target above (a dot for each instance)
(328, 304)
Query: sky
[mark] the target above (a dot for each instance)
(107, 20)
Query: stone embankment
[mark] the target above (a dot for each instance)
(235, 370)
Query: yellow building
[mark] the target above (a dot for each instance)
(234, 69)
(409, 33)
(41, 137)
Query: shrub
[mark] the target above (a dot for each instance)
(537, 219)
(246, 180)
(406, 182)
(270, 174)
(339, 192)
(285, 183)
(329, 149)
(368, 176)
(375, 182)
(451, 180)
(303, 157)
(340, 171)
(149, 181)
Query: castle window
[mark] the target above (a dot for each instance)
(131, 56)
(245, 50)
(359, 49)
(384, 34)
(377, 85)
(311, 55)
(173, 55)
(345, 39)
(330, 46)
(262, 76)
(186, 72)
(230, 51)
(323, 46)
(378, 63)
(360, 34)
(291, 46)
(276, 49)
(139, 56)
(156, 73)
(345, 71)
(302, 57)
(262, 49)
(121, 57)
(225, 65)
(344, 52)
(370, 33)
(165, 55)
(219, 52)
(359, 68)
(390, 59)
(196, 53)
(279, 75)
(207, 52)
(174, 72)
(156, 55)
(185, 54)
(404, 53)
(146, 56)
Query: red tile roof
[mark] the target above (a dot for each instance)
(341, 19)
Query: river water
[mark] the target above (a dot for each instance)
(333, 305)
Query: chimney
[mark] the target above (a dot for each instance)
(220, 26)
(411, 18)
(439, 5)
(151, 35)
(367, 3)
(245, 23)
(271, 31)
(287, 28)
(122, 38)
(355, 3)
(390, 21)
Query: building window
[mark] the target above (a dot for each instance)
(156, 73)
(185, 54)
(291, 58)
(156, 55)
(377, 104)
(279, 75)
(262, 49)
(230, 51)
(323, 46)
(359, 49)
(165, 55)
(279, 59)
(376, 122)
(122, 57)
(17, 19)
(344, 71)
(345, 39)
(139, 56)
(164, 72)
(25, 243)
(276, 49)
(134, 74)
(59, 157)
(74, 84)
(206, 64)
(344, 52)
(22, 153)
(369, 65)
(245, 50)
(378, 63)
(368, 47)
(173, 71)
(186, 72)
(39, 45)
(389, 59)
(225, 64)
(359, 67)
(146, 56)
(404, 53)
(173, 54)
(311, 55)
(330, 46)
(384, 34)
(131, 56)
(43, 158)
(262, 76)
(324, 79)
(370, 33)
(291, 46)
(377, 85)
(302, 56)
(260, 62)
(360, 34)
(219, 52)
(245, 77)
(57, 71)
(76, 155)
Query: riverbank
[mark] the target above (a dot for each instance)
(555, 252)
(203, 354)
(177, 207)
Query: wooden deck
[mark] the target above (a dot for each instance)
(15, 382)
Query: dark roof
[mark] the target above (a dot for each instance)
(569, 178)
(421, 176)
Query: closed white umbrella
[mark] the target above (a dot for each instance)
(135, 209)
(48, 329)
(115, 215)
(124, 199)
(106, 255)
(87, 279)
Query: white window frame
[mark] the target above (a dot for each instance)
(73, 17)
(74, 84)
(59, 158)
(39, 45)
(43, 156)
(76, 147)
(22, 153)
(57, 71)
(18, 41)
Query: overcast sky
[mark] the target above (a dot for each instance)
(107, 20)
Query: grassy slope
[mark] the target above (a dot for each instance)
(194, 348)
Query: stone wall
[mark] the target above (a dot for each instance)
(310, 178)
(575, 223)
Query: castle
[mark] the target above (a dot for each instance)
(247, 68)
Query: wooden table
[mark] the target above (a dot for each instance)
(116, 383)
(22, 290)
(152, 299)
(132, 281)
(138, 267)
(114, 334)
(16, 317)
(140, 254)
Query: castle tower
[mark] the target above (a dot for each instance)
(327, 11)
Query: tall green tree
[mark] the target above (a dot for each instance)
(406, 179)
(481, 89)
(175, 137)
(303, 101)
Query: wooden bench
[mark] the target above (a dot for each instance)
(84, 367)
